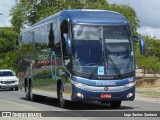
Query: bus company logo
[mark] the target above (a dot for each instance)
(106, 88)
(105, 83)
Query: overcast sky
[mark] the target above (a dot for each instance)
(148, 12)
(5, 6)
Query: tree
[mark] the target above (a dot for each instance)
(18, 17)
(28, 12)
(151, 60)
(8, 38)
(129, 13)
(10, 61)
(8, 52)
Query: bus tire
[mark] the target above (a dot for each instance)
(33, 97)
(115, 104)
(63, 103)
(27, 91)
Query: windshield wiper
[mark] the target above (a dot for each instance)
(114, 66)
(96, 66)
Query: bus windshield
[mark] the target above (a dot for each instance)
(102, 50)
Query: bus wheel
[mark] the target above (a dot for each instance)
(33, 97)
(63, 103)
(27, 92)
(115, 104)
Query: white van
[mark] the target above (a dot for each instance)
(8, 80)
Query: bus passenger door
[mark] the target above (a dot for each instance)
(65, 73)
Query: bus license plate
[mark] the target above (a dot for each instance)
(106, 95)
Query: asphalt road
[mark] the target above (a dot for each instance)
(16, 101)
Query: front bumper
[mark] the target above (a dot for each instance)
(127, 94)
(6, 86)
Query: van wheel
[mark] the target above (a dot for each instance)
(11, 89)
(115, 104)
(63, 103)
(16, 88)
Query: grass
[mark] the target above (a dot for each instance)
(148, 87)
(148, 93)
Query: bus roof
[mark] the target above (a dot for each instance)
(96, 17)
(88, 16)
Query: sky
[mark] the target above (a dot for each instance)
(5, 6)
(148, 12)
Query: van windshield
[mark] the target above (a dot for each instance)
(6, 73)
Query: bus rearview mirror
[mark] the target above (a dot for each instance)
(141, 43)
(68, 43)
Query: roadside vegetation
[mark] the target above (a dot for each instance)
(148, 87)
(148, 92)
(8, 48)
(150, 63)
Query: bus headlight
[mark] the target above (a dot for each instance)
(131, 84)
(80, 85)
